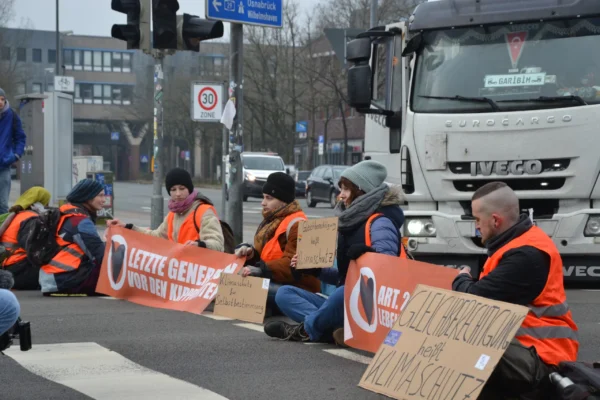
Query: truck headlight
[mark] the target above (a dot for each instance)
(250, 177)
(592, 228)
(423, 227)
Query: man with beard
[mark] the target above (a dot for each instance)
(276, 239)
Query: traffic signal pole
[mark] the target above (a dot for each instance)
(236, 174)
(157, 202)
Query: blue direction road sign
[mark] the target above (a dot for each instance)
(301, 126)
(252, 12)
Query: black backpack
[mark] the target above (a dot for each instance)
(585, 378)
(229, 239)
(40, 243)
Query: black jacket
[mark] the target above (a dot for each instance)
(519, 277)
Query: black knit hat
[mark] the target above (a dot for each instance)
(179, 176)
(85, 190)
(281, 186)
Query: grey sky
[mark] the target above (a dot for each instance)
(95, 17)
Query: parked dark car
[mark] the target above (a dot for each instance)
(301, 177)
(322, 185)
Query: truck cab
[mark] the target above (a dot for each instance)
(466, 92)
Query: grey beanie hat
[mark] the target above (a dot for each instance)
(2, 94)
(367, 175)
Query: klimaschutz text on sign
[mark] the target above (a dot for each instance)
(207, 102)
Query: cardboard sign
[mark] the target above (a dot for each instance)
(317, 243)
(242, 298)
(443, 344)
(377, 289)
(159, 273)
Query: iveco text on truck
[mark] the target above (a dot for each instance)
(472, 91)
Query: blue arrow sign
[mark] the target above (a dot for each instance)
(301, 126)
(252, 12)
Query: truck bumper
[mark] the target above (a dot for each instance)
(456, 244)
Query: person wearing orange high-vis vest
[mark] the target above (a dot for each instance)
(14, 233)
(75, 269)
(276, 239)
(370, 218)
(523, 267)
(192, 218)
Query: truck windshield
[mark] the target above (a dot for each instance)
(518, 67)
(263, 163)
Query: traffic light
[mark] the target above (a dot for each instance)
(164, 21)
(137, 30)
(191, 30)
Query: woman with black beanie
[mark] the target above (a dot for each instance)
(75, 269)
(192, 218)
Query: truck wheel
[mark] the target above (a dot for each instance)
(245, 198)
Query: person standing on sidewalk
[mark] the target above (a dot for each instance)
(12, 145)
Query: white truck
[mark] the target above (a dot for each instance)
(471, 91)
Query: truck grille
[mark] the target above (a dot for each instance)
(515, 184)
(542, 208)
(552, 165)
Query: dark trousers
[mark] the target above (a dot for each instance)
(520, 374)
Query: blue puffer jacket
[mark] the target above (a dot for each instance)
(12, 141)
(385, 237)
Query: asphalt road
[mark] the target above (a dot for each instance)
(102, 348)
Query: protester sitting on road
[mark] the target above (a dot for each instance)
(523, 267)
(13, 234)
(192, 218)
(276, 239)
(9, 310)
(76, 267)
(369, 207)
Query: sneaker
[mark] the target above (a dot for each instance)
(284, 331)
(338, 337)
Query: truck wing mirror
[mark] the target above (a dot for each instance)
(413, 45)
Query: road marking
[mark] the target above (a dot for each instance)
(254, 327)
(216, 317)
(146, 208)
(349, 355)
(252, 212)
(103, 374)
(108, 298)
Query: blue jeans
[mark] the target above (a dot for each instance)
(4, 189)
(321, 316)
(9, 310)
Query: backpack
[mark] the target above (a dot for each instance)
(229, 239)
(40, 242)
(585, 378)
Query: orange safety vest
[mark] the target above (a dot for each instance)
(549, 325)
(272, 250)
(368, 242)
(70, 255)
(9, 238)
(190, 228)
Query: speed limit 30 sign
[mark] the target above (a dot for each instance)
(207, 102)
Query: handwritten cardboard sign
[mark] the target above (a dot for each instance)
(443, 343)
(159, 273)
(242, 298)
(317, 243)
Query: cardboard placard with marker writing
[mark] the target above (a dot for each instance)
(242, 298)
(317, 243)
(377, 289)
(160, 273)
(443, 344)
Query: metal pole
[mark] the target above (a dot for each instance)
(57, 70)
(224, 163)
(373, 13)
(157, 202)
(236, 178)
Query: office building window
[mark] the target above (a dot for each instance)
(107, 95)
(51, 56)
(86, 92)
(5, 53)
(21, 54)
(87, 60)
(127, 93)
(50, 87)
(126, 62)
(20, 88)
(116, 95)
(36, 88)
(97, 94)
(77, 60)
(107, 64)
(68, 59)
(97, 61)
(218, 66)
(36, 55)
(77, 93)
(117, 62)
